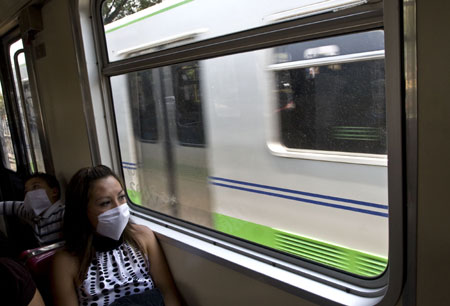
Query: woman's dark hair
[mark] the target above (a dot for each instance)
(78, 231)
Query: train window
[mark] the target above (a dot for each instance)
(232, 185)
(143, 108)
(26, 108)
(189, 117)
(272, 132)
(8, 155)
(331, 94)
(185, 28)
(188, 111)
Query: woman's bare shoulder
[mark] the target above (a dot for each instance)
(62, 258)
(142, 230)
(143, 234)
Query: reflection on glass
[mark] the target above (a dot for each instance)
(115, 10)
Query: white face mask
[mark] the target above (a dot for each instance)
(36, 201)
(112, 222)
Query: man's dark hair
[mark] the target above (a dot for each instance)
(51, 180)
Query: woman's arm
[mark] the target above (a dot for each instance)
(159, 269)
(64, 272)
(37, 299)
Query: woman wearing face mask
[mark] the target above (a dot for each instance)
(107, 258)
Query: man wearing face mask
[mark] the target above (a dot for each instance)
(42, 208)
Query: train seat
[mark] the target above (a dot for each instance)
(38, 261)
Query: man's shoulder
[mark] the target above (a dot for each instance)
(59, 204)
(56, 209)
(12, 202)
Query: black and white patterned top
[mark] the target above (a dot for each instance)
(115, 273)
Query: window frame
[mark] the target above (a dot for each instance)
(12, 102)
(23, 111)
(7, 127)
(368, 16)
(14, 97)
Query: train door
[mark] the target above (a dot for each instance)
(162, 141)
(189, 143)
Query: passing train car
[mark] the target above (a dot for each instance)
(288, 106)
(285, 153)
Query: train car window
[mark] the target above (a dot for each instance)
(136, 15)
(189, 117)
(331, 94)
(8, 154)
(272, 132)
(26, 108)
(142, 88)
(240, 89)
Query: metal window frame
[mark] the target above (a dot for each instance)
(11, 101)
(21, 101)
(16, 128)
(9, 114)
(42, 135)
(38, 110)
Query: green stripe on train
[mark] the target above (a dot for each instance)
(135, 196)
(149, 15)
(349, 260)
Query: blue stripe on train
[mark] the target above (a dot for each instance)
(129, 164)
(302, 193)
(128, 167)
(360, 210)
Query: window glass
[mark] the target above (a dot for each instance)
(142, 89)
(328, 212)
(189, 119)
(331, 94)
(125, 21)
(9, 157)
(26, 108)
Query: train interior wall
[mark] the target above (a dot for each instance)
(60, 92)
(205, 282)
(433, 226)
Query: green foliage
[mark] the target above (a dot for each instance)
(113, 10)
